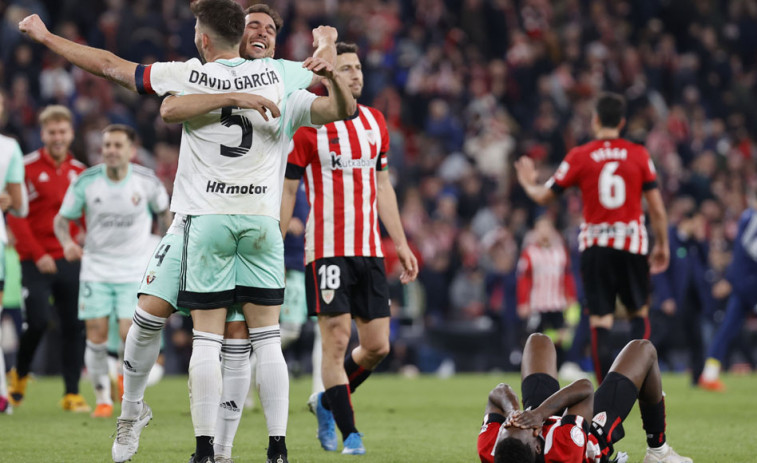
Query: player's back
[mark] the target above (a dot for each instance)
(612, 175)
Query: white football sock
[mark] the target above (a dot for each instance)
(317, 357)
(272, 377)
(140, 353)
(155, 375)
(205, 381)
(96, 361)
(235, 368)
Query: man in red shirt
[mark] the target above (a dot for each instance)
(573, 424)
(613, 175)
(344, 166)
(45, 271)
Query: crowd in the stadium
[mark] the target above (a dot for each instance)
(468, 86)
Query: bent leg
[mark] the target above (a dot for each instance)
(538, 370)
(374, 347)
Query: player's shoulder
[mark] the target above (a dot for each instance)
(143, 171)
(378, 115)
(6, 140)
(90, 173)
(78, 165)
(31, 158)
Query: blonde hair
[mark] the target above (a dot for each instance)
(55, 113)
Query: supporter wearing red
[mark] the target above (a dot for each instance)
(45, 271)
(344, 167)
(572, 425)
(545, 282)
(613, 175)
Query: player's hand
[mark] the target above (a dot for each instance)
(319, 67)
(72, 251)
(33, 27)
(256, 102)
(409, 264)
(324, 34)
(659, 259)
(5, 201)
(668, 307)
(529, 419)
(295, 227)
(526, 171)
(721, 289)
(46, 264)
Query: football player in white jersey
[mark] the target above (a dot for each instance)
(117, 199)
(215, 180)
(13, 198)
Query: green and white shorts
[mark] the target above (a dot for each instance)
(99, 299)
(231, 258)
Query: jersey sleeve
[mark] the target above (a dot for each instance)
(301, 152)
(74, 201)
(487, 437)
(295, 76)
(565, 439)
(15, 172)
(382, 162)
(649, 173)
(298, 111)
(163, 78)
(566, 174)
(159, 201)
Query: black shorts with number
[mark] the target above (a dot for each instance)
(609, 273)
(613, 401)
(355, 285)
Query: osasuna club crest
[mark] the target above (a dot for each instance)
(150, 277)
(327, 295)
(135, 199)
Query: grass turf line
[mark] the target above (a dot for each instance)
(404, 420)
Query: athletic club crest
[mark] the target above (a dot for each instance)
(135, 199)
(600, 419)
(327, 295)
(150, 277)
(370, 135)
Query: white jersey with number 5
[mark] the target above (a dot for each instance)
(232, 160)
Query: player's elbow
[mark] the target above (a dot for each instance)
(168, 113)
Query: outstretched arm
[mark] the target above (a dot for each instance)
(101, 63)
(179, 108)
(340, 104)
(526, 172)
(390, 216)
(324, 41)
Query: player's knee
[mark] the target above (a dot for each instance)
(644, 347)
(379, 350)
(538, 339)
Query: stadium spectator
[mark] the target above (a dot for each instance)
(45, 271)
(614, 176)
(344, 165)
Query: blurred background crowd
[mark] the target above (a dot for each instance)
(467, 86)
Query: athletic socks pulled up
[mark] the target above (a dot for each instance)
(96, 361)
(601, 352)
(141, 350)
(337, 399)
(271, 377)
(235, 367)
(205, 383)
(653, 421)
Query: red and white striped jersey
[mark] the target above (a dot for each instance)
(545, 281)
(339, 162)
(612, 174)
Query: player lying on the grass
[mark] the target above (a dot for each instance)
(556, 425)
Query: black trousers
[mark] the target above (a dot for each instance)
(63, 287)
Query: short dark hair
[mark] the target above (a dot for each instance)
(263, 8)
(130, 133)
(224, 17)
(512, 450)
(611, 108)
(345, 47)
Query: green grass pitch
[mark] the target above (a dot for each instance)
(404, 420)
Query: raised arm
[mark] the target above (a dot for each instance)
(660, 255)
(101, 63)
(390, 216)
(526, 172)
(340, 104)
(180, 108)
(324, 41)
